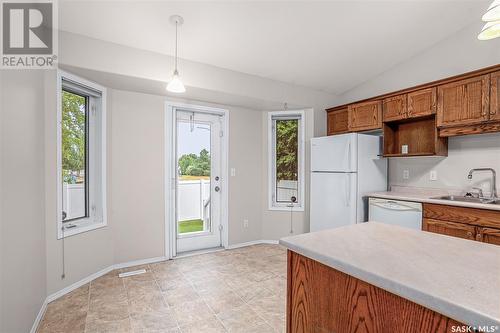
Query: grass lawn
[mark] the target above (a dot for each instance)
(190, 226)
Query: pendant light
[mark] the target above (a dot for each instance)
(175, 85)
(491, 29)
(493, 12)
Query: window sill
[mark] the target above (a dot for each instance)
(286, 208)
(80, 227)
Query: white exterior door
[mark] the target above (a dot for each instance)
(333, 200)
(199, 182)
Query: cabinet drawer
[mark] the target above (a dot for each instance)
(454, 229)
(474, 216)
(488, 235)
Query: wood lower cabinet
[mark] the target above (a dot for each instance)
(338, 122)
(322, 299)
(454, 229)
(495, 96)
(488, 235)
(482, 225)
(422, 102)
(365, 116)
(464, 102)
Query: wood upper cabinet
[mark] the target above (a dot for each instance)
(365, 116)
(454, 229)
(394, 108)
(422, 102)
(338, 122)
(495, 96)
(488, 235)
(464, 102)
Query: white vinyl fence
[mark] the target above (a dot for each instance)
(73, 196)
(193, 196)
(192, 199)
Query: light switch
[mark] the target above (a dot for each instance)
(406, 174)
(433, 175)
(233, 172)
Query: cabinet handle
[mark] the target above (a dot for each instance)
(479, 237)
(469, 234)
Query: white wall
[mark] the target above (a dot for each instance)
(464, 153)
(137, 175)
(23, 279)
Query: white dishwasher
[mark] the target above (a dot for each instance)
(403, 213)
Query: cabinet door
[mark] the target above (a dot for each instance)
(449, 228)
(422, 102)
(464, 102)
(495, 96)
(394, 108)
(337, 122)
(365, 116)
(488, 235)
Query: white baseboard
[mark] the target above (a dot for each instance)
(78, 284)
(39, 317)
(255, 242)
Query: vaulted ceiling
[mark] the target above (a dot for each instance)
(331, 46)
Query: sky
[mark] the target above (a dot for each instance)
(192, 142)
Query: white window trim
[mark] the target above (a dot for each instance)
(271, 169)
(84, 224)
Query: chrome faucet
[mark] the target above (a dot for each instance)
(494, 194)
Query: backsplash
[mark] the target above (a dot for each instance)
(464, 153)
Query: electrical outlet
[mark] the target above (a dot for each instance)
(433, 175)
(406, 174)
(245, 223)
(233, 172)
(404, 149)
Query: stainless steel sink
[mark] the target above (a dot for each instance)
(469, 199)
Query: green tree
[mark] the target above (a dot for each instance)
(287, 157)
(195, 165)
(73, 133)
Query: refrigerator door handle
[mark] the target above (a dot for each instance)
(348, 190)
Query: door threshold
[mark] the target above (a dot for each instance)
(197, 252)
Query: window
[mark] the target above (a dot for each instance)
(286, 160)
(81, 156)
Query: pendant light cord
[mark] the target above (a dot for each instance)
(176, 24)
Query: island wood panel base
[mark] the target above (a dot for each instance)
(322, 299)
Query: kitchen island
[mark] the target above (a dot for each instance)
(372, 277)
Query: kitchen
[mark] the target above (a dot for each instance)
(418, 159)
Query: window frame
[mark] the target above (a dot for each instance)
(271, 157)
(95, 177)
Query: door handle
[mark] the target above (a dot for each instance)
(217, 188)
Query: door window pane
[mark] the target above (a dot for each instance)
(287, 159)
(74, 156)
(194, 171)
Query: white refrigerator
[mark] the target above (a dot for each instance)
(343, 169)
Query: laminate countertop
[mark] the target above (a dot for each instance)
(455, 277)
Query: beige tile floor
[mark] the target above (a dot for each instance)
(241, 290)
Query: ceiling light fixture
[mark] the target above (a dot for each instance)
(175, 85)
(493, 12)
(492, 18)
